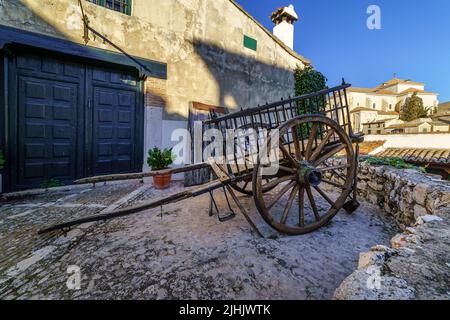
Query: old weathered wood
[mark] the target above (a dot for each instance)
(300, 165)
(141, 175)
(138, 208)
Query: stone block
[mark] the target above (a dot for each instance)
(420, 193)
(428, 219)
(419, 211)
(370, 258)
(376, 186)
(402, 240)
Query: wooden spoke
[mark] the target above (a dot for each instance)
(298, 151)
(280, 194)
(287, 209)
(324, 195)
(301, 206)
(329, 154)
(334, 172)
(286, 169)
(333, 183)
(288, 155)
(312, 202)
(272, 184)
(246, 184)
(321, 145)
(342, 166)
(311, 139)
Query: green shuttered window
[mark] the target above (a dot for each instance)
(250, 43)
(123, 6)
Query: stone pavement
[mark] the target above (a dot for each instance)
(181, 254)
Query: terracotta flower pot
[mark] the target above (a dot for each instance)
(162, 181)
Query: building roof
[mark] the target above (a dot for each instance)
(406, 125)
(395, 81)
(431, 156)
(417, 123)
(371, 91)
(359, 109)
(276, 39)
(381, 89)
(443, 109)
(388, 113)
(367, 147)
(438, 123)
(379, 121)
(413, 90)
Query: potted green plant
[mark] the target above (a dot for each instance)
(2, 163)
(161, 160)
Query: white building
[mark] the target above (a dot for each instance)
(385, 101)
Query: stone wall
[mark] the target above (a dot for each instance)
(416, 266)
(406, 194)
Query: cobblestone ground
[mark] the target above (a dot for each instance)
(181, 254)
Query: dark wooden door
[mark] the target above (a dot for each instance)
(70, 120)
(44, 119)
(113, 122)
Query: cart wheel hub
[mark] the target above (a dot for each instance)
(308, 175)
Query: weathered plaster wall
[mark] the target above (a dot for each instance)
(201, 41)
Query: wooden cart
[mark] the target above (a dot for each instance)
(312, 129)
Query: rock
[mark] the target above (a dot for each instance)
(381, 248)
(411, 230)
(419, 211)
(402, 240)
(375, 186)
(428, 219)
(369, 284)
(362, 185)
(420, 193)
(370, 258)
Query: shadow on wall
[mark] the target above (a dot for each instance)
(15, 13)
(244, 79)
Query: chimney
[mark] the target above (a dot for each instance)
(284, 19)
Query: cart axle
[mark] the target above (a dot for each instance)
(308, 175)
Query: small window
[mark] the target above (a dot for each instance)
(374, 105)
(250, 43)
(378, 131)
(390, 107)
(369, 131)
(123, 6)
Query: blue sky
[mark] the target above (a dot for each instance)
(414, 41)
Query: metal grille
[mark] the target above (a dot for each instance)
(123, 6)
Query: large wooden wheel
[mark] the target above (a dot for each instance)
(299, 203)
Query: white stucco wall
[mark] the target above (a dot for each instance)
(429, 141)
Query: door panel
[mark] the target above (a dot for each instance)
(113, 134)
(47, 130)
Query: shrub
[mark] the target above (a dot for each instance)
(160, 159)
(395, 162)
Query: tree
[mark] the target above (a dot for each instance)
(308, 80)
(413, 109)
